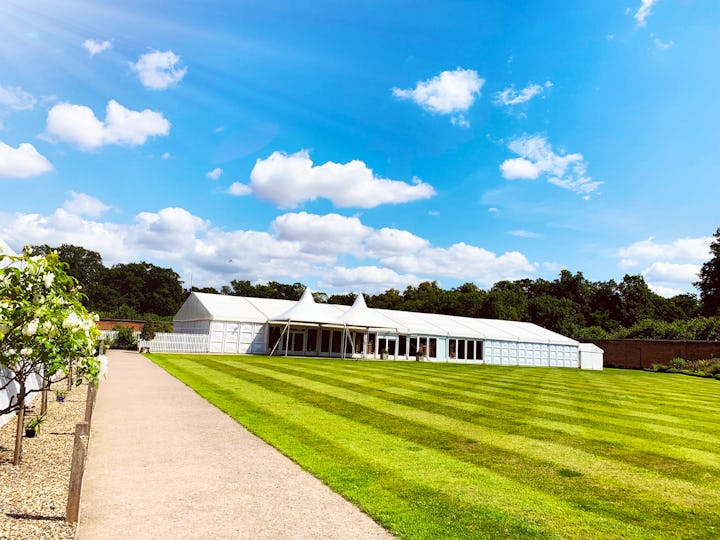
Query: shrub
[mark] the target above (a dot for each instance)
(658, 367)
(678, 363)
(125, 338)
(148, 331)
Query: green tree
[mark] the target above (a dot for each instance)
(709, 282)
(44, 328)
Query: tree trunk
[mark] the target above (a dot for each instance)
(20, 425)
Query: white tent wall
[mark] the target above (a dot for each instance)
(33, 382)
(255, 325)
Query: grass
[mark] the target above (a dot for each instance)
(453, 451)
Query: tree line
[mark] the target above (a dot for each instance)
(571, 304)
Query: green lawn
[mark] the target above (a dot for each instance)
(453, 451)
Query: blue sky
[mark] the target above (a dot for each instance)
(367, 145)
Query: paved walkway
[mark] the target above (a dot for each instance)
(164, 463)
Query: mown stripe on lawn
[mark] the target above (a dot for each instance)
(608, 472)
(404, 506)
(469, 485)
(671, 456)
(509, 404)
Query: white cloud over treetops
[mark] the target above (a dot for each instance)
(16, 99)
(288, 180)
(82, 204)
(537, 157)
(669, 268)
(347, 253)
(96, 46)
(510, 96)
(78, 125)
(158, 70)
(644, 11)
(450, 92)
(22, 162)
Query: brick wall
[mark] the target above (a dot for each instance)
(110, 324)
(643, 353)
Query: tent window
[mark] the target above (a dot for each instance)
(412, 346)
(325, 341)
(348, 338)
(479, 350)
(402, 346)
(432, 348)
(371, 343)
(471, 350)
(461, 349)
(452, 348)
(273, 337)
(336, 341)
(311, 340)
(359, 342)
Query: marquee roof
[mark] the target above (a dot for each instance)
(217, 307)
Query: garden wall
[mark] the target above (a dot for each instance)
(643, 353)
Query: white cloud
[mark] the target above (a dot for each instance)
(22, 162)
(663, 45)
(158, 70)
(78, 125)
(644, 11)
(96, 46)
(387, 241)
(82, 204)
(524, 234)
(537, 157)
(16, 99)
(321, 234)
(166, 155)
(671, 272)
(369, 279)
(687, 249)
(521, 168)
(296, 246)
(238, 189)
(667, 292)
(462, 261)
(450, 92)
(289, 180)
(215, 173)
(510, 96)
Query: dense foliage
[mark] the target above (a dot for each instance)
(124, 291)
(44, 329)
(709, 283)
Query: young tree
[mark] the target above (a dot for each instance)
(709, 283)
(44, 329)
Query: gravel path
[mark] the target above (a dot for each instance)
(164, 463)
(34, 494)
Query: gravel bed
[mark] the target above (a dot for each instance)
(34, 494)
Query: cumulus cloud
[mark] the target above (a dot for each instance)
(320, 234)
(369, 279)
(537, 157)
(82, 204)
(346, 252)
(669, 268)
(158, 70)
(16, 99)
(510, 96)
(689, 249)
(450, 92)
(96, 46)
(238, 189)
(78, 125)
(214, 174)
(289, 180)
(22, 162)
(644, 11)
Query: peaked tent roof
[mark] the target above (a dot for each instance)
(361, 315)
(306, 310)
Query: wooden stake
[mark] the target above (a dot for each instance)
(76, 472)
(90, 401)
